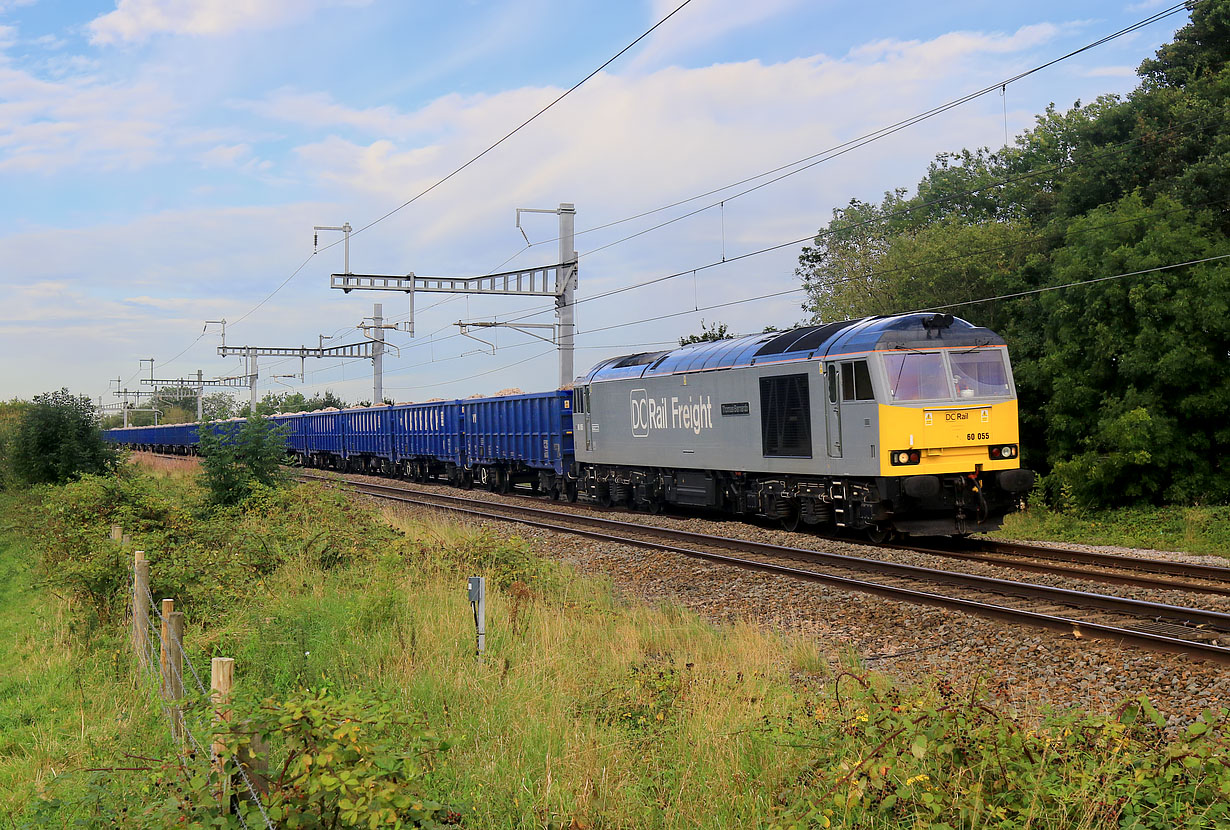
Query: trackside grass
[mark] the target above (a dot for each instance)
(1189, 529)
(353, 642)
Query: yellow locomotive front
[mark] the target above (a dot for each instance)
(950, 434)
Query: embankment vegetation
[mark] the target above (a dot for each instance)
(353, 642)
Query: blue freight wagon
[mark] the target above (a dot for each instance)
(427, 440)
(324, 439)
(291, 424)
(369, 439)
(519, 439)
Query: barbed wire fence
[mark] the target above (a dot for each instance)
(158, 644)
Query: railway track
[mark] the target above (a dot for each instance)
(1182, 630)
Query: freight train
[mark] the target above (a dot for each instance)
(890, 424)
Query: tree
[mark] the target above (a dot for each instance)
(717, 331)
(1123, 384)
(237, 458)
(218, 406)
(57, 439)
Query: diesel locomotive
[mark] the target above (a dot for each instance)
(895, 424)
(905, 423)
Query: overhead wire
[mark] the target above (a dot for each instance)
(854, 143)
(813, 161)
(458, 170)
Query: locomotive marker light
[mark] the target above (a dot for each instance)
(478, 603)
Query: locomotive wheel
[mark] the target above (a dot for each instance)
(653, 507)
(879, 535)
(604, 496)
(790, 521)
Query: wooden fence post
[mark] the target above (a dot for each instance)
(168, 605)
(125, 540)
(116, 533)
(175, 680)
(140, 607)
(221, 678)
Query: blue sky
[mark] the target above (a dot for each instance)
(162, 162)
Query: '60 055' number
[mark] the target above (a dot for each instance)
(977, 436)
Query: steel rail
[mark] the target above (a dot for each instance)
(1018, 561)
(1110, 560)
(1074, 626)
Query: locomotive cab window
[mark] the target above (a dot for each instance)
(856, 382)
(578, 400)
(785, 416)
(916, 376)
(980, 374)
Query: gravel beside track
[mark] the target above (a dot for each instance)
(1026, 668)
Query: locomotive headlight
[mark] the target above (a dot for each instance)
(1004, 451)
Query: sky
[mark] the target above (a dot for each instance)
(163, 163)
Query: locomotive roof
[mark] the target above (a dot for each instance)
(920, 330)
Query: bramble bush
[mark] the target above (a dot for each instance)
(887, 759)
(330, 762)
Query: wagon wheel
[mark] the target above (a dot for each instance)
(467, 480)
(570, 491)
(504, 481)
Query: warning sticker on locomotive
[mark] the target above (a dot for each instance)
(693, 413)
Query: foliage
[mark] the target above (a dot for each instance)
(294, 402)
(888, 759)
(1191, 529)
(218, 406)
(1123, 383)
(558, 725)
(335, 761)
(11, 414)
(708, 333)
(58, 439)
(238, 459)
(209, 559)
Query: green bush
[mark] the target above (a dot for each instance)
(236, 459)
(331, 761)
(56, 439)
(208, 558)
(885, 759)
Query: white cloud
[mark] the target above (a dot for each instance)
(627, 143)
(699, 24)
(9, 5)
(134, 21)
(226, 155)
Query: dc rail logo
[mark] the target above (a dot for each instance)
(649, 414)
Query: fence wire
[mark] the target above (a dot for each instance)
(153, 657)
